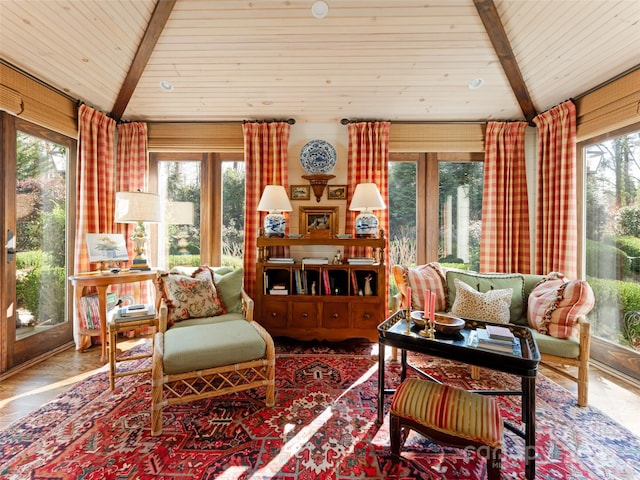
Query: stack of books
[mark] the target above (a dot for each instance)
(279, 289)
(135, 312)
(288, 260)
(315, 261)
(361, 260)
(498, 342)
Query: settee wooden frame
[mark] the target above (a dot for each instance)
(171, 389)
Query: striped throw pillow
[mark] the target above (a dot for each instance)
(556, 304)
(423, 277)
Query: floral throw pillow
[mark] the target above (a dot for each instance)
(491, 306)
(556, 303)
(188, 297)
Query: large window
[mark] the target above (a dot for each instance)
(613, 247)
(204, 198)
(435, 206)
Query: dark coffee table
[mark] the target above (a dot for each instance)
(523, 363)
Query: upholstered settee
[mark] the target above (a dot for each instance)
(208, 343)
(552, 306)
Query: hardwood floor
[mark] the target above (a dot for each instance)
(27, 390)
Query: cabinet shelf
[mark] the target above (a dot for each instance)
(322, 301)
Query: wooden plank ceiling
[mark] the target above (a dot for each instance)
(406, 60)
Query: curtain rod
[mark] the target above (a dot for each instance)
(347, 121)
(290, 121)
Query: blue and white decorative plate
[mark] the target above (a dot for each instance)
(318, 156)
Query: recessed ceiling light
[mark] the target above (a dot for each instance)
(475, 83)
(166, 85)
(319, 9)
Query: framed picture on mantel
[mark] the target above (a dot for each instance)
(318, 221)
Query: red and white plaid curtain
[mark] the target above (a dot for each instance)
(556, 212)
(132, 174)
(504, 242)
(368, 161)
(95, 195)
(266, 150)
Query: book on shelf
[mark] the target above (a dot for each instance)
(361, 260)
(89, 310)
(315, 261)
(500, 333)
(288, 260)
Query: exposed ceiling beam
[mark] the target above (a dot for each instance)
(145, 49)
(493, 25)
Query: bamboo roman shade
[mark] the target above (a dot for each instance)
(437, 137)
(609, 108)
(32, 101)
(196, 137)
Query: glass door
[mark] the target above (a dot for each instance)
(35, 319)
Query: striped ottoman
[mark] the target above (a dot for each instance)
(449, 416)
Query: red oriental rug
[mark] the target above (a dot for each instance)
(322, 427)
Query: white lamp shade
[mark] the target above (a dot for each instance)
(180, 213)
(134, 207)
(367, 197)
(274, 199)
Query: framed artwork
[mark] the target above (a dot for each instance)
(318, 221)
(299, 192)
(107, 247)
(337, 192)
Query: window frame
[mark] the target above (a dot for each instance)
(210, 197)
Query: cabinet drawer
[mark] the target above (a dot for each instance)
(274, 314)
(366, 315)
(304, 315)
(335, 315)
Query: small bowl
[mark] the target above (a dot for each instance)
(448, 325)
(445, 324)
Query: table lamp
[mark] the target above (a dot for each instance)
(275, 201)
(138, 208)
(181, 213)
(365, 199)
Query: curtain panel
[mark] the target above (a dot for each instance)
(368, 161)
(266, 150)
(505, 242)
(556, 212)
(95, 197)
(132, 172)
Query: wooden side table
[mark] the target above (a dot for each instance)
(102, 284)
(125, 326)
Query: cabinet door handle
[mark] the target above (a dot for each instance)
(305, 315)
(366, 316)
(274, 314)
(335, 315)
